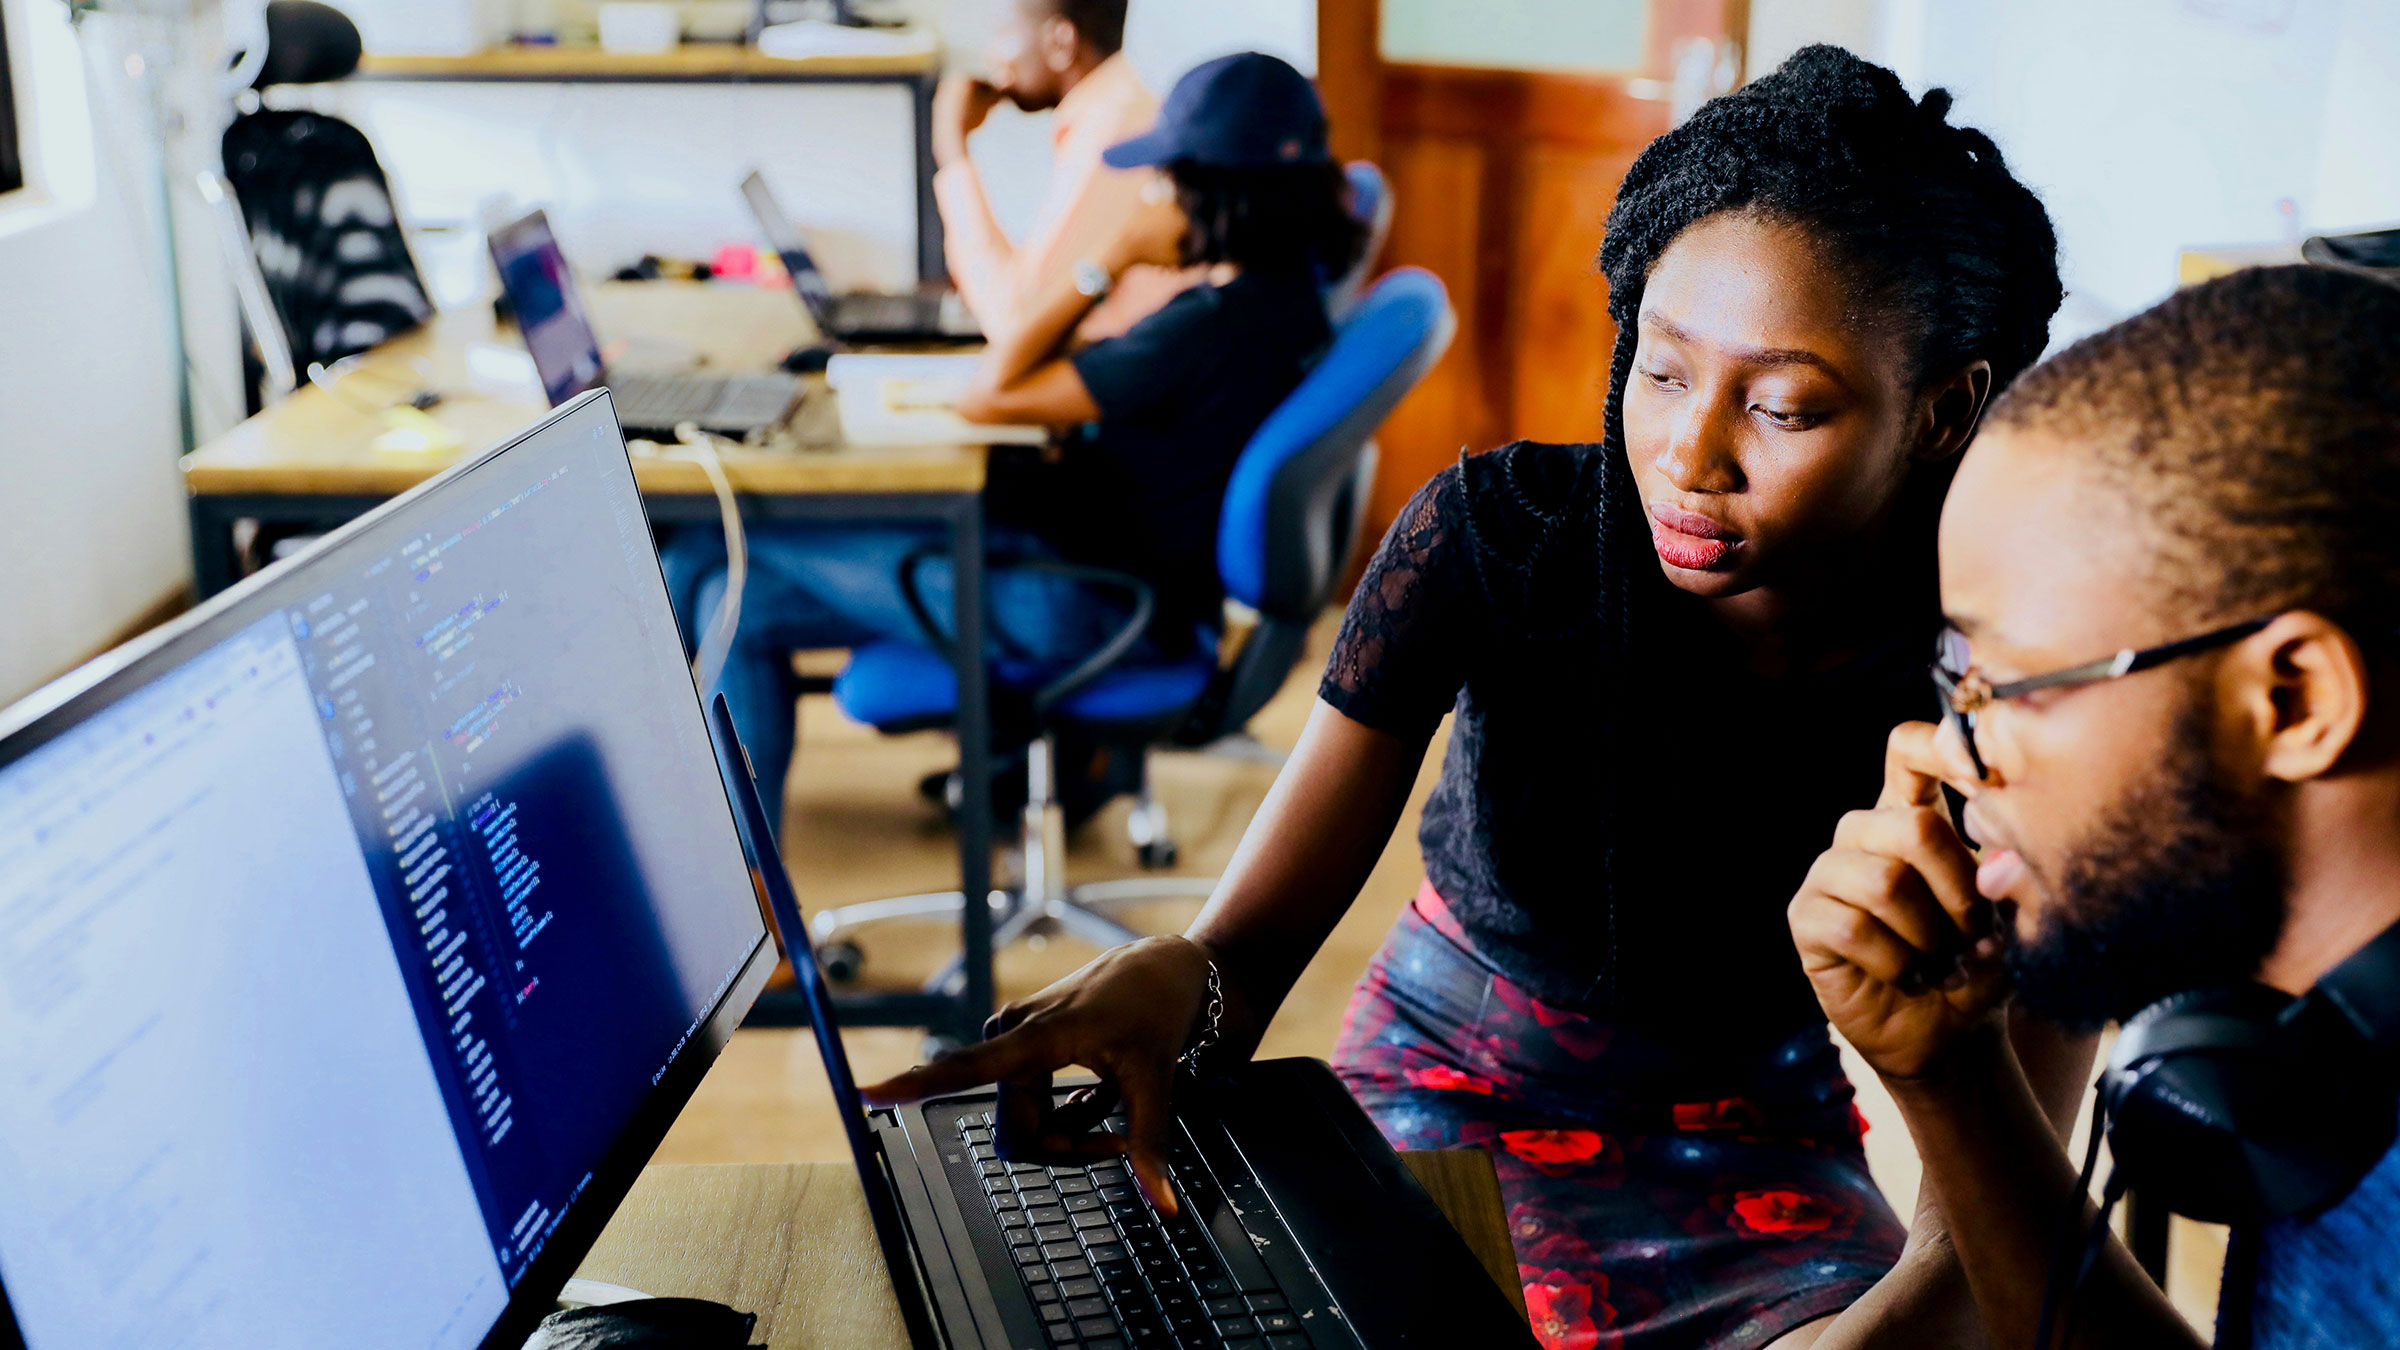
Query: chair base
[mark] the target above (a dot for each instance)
(1042, 902)
(1081, 912)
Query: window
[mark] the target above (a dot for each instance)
(12, 160)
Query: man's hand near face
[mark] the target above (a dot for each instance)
(960, 106)
(1902, 953)
(1895, 940)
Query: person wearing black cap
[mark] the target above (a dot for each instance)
(1247, 190)
(1151, 421)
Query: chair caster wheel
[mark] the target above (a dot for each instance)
(1156, 854)
(841, 960)
(937, 1045)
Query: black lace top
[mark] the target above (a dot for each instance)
(1618, 836)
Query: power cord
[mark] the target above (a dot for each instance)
(421, 395)
(716, 645)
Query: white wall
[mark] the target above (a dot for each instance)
(2358, 162)
(626, 170)
(2149, 126)
(91, 515)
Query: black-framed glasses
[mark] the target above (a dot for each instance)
(1966, 692)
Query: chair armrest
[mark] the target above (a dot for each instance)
(913, 562)
(1107, 654)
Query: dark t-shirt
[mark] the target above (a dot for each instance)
(1180, 395)
(1486, 596)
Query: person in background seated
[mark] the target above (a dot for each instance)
(1066, 56)
(2221, 473)
(1670, 660)
(1151, 422)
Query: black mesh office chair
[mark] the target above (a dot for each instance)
(316, 233)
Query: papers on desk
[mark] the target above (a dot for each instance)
(814, 38)
(906, 399)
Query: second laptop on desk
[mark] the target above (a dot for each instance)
(558, 333)
(855, 316)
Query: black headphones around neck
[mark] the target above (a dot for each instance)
(2242, 1104)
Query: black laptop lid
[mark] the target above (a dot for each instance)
(361, 934)
(784, 238)
(768, 874)
(549, 310)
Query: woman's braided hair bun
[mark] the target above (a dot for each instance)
(1925, 215)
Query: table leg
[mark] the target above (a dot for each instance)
(216, 564)
(931, 263)
(974, 767)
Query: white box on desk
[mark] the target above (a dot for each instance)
(429, 27)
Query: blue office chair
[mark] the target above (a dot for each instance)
(1291, 517)
(1371, 203)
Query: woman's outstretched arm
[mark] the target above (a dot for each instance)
(1129, 1014)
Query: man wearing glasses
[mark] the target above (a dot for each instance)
(2171, 563)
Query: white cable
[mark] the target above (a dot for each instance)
(717, 644)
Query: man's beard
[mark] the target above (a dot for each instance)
(2175, 889)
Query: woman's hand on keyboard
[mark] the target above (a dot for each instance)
(1127, 1016)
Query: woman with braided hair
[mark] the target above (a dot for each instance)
(1673, 658)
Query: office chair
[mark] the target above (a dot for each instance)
(1291, 516)
(1371, 203)
(312, 234)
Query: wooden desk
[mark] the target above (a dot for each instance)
(705, 63)
(792, 1243)
(693, 61)
(317, 444)
(313, 462)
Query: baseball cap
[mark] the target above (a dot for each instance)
(1236, 112)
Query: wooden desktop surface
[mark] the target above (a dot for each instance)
(321, 443)
(792, 1242)
(693, 61)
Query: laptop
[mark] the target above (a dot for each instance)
(362, 932)
(1298, 1228)
(551, 317)
(855, 316)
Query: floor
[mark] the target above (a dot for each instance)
(856, 830)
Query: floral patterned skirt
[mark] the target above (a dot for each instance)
(1642, 1220)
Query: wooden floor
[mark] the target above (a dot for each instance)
(856, 830)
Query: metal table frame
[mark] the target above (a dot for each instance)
(216, 566)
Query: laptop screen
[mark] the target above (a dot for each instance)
(784, 238)
(348, 932)
(549, 310)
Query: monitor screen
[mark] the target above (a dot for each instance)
(784, 238)
(541, 292)
(348, 932)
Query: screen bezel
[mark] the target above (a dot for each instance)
(68, 701)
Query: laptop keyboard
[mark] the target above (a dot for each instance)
(712, 401)
(886, 313)
(1106, 1272)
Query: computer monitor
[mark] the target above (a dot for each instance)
(362, 933)
(549, 310)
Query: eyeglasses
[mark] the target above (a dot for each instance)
(1966, 693)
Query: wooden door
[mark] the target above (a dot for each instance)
(1501, 179)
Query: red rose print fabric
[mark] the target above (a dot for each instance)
(1657, 1199)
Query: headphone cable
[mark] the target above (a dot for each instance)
(2072, 1228)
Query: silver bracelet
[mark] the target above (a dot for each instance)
(1212, 1026)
